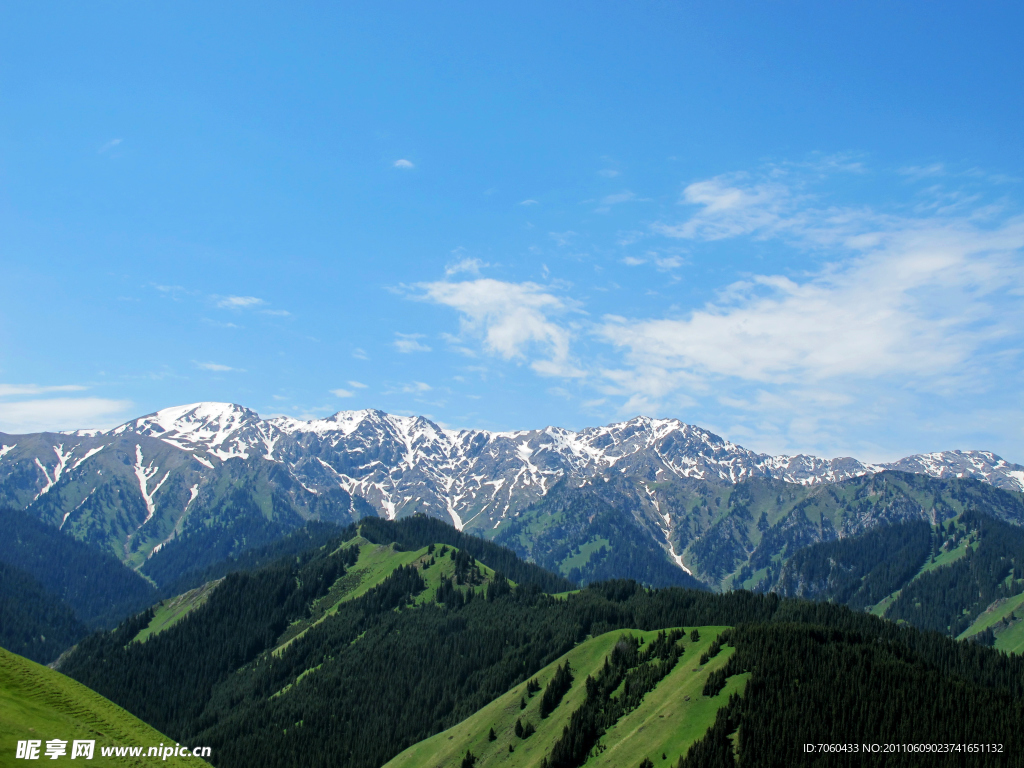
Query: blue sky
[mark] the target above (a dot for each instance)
(797, 224)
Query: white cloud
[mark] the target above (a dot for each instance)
(357, 384)
(511, 319)
(605, 203)
(413, 388)
(60, 413)
(403, 163)
(217, 367)
(8, 390)
(409, 342)
(729, 207)
(909, 309)
(619, 197)
(608, 173)
(669, 262)
(109, 145)
(916, 304)
(360, 354)
(472, 266)
(276, 312)
(239, 302)
(342, 393)
(528, 202)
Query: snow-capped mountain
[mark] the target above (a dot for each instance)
(402, 464)
(139, 483)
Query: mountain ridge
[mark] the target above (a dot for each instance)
(220, 470)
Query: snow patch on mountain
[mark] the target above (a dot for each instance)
(58, 470)
(144, 475)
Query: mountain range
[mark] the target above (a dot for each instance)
(219, 476)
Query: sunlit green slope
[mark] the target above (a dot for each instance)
(670, 718)
(39, 703)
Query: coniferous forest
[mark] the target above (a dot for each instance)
(388, 669)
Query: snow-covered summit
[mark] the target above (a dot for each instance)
(404, 463)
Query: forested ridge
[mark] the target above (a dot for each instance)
(97, 586)
(34, 623)
(939, 577)
(381, 674)
(419, 531)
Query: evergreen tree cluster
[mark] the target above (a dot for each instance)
(556, 689)
(948, 599)
(637, 672)
(34, 623)
(859, 570)
(313, 535)
(417, 531)
(380, 674)
(99, 588)
(574, 515)
(811, 684)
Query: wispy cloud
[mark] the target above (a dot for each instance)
(239, 302)
(512, 319)
(62, 413)
(471, 266)
(409, 342)
(529, 201)
(403, 163)
(357, 384)
(10, 390)
(908, 304)
(360, 354)
(412, 388)
(217, 367)
(109, 145)
(605, 203)
(342, 392)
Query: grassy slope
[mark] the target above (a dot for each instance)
(1010, 639)
(377, 562)
(665, 722)
(169, 612)
(945, 558)
(39, 703)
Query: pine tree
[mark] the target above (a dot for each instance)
(491, 736)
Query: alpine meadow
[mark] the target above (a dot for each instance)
(450, 385)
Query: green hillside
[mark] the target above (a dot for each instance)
(38, 703)
(671, 717)
(729, 536)
(1005, 617)
(169, 612)
(376, 562)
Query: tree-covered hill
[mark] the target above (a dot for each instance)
(34, 623)
(98, 587)
(298, 653)
(940, 578)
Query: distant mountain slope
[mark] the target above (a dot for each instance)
(134, 488)
(96, 585)
(38, 703)
(33, 623)
(185, 487)
(940, 578)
